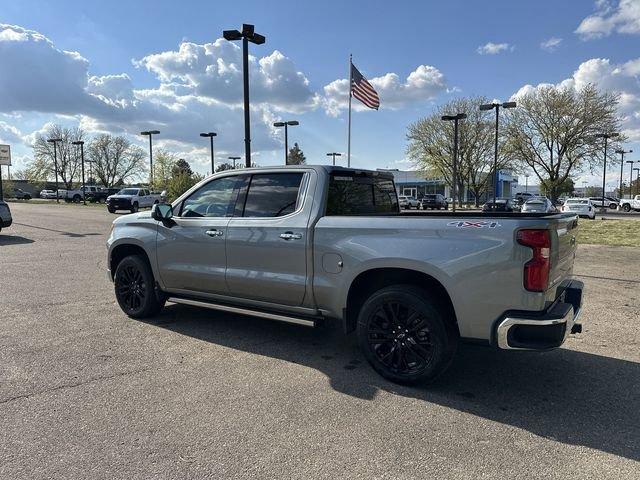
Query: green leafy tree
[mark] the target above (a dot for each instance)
(182, 182)
(296, 156)
(163, 163)
(431, 146)
(181, 166)
(553, 131)
(565, 188)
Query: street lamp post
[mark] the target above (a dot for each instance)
(150, 134)
(234, 161)
(286, 136)
(247, 35)
(637, 170)
(211, 135)
(55, 142)
(491, 106)
(334, 155)
(622, 153)
(526, 183)
(81, 143)
(455, 119)
(606, 137)
(630, 162)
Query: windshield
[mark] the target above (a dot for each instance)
(128, 191)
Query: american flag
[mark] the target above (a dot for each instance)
(362, 89)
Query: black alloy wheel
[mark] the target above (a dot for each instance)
(403, 335)
(135, 288)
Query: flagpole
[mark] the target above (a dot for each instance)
(349, 135)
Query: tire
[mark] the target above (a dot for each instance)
(613, 206)
(111, 210)
(420, 353)
(76, 198)
(135, 288)
(134, 207)
(626, 208)
(101, 200)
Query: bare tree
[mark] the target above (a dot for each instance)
(115, 159)
(431, 145)
(553, 131)
(67, 159)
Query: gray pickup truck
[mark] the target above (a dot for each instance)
(303, 244)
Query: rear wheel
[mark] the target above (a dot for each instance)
(134, 207)
(626, 207)
(403, 335)
(135, 288)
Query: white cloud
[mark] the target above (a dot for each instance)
(621, 79)
(423, 84)
(551, 45)
(494, 48)
(625, 18)
(214, 70)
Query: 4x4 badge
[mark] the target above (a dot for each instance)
(468, 224)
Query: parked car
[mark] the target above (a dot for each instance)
(626, 204)
(582, 206)
(131, 199)
(75, 195)
(100, 196)
(609, 202)
(538, 205)
(302, 244)
(5, 215)
(501, 205)
(407, 202)
(522, 197)
(20, 194)
(48, 194)
(434, 201)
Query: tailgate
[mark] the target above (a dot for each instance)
(563, 249)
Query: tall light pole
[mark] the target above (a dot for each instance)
(630, 162)
(334, 155)
(622, 153)
(606, 137)
(234, 161)
(150, 134)
(55, 142)
(286, 136)
(247, 35)
(526, 184)
(637, 170)
(81, 143)
(211, 135)
(455, 119)
(496, 106)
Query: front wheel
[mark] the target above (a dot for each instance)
(403, 335)
(111, 210)
(135, 288)
(626, 208)
(134, 208)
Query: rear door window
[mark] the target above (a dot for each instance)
(273, 194)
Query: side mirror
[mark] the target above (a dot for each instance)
(162, 212)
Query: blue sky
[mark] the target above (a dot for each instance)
(158, 82)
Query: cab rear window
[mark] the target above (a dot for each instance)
(354, 193)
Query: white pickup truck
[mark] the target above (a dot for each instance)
(76, 194)
(628, 204)
(132, 199)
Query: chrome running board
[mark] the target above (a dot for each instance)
(243, 311)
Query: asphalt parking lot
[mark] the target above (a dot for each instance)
(86, 392)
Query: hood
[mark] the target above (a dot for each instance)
(122, 197)
(133, 218)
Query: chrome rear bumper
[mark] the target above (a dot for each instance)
(542, 330)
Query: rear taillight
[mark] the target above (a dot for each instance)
(536, 270)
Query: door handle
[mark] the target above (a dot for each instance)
(214, 233)
(290, 236)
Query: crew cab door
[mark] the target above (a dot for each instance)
(267, 240)
(191, 249)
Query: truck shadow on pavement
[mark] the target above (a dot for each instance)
(14, 240)
(563, 395)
